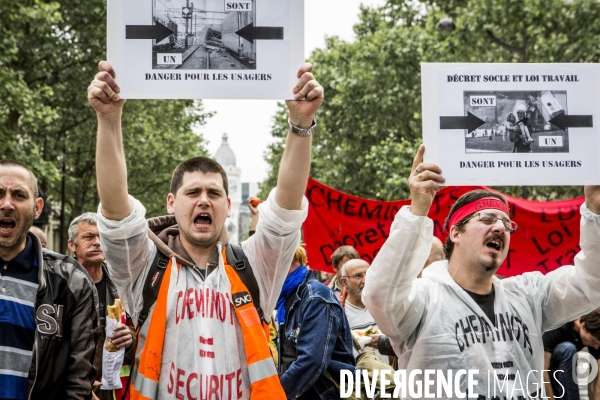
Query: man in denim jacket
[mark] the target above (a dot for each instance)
(314, 336)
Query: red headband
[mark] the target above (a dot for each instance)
(478, 205)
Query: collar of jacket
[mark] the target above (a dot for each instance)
(308, 277)
(112, 288)
(164, 232)
(37, 248)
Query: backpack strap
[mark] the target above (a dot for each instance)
(238, 260)
(152, 285)
(235, 257)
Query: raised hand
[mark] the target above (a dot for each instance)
(103, 92)
(303, 112)
(424, 182)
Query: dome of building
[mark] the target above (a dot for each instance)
(225, 155)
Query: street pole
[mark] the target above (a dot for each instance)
(187, 4)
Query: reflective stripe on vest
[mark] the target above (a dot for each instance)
(264, 381)
(151, 336)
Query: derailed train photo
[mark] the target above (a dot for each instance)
(223, 37)
(205, 35)
(232, 23)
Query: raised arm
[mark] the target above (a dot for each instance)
(295, 163)
(111, 169)
(121, 220)
(392, 274)
(576, 285)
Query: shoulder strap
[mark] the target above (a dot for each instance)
(235, 257)
(238, 260)
(152, 284)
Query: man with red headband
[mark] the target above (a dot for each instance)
(459, 317)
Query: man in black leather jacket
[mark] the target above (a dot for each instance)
(48, 315)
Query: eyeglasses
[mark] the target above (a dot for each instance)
(357, 276)
(491, 218)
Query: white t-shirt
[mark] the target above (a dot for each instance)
(361, 319)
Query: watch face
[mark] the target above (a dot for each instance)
(232, 187)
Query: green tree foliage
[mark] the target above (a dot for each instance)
(370, 122)
(49, 52)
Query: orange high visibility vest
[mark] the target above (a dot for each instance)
(264, 381)
(151, 337)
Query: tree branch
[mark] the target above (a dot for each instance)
(504, 44)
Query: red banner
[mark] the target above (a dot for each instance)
(548, 234)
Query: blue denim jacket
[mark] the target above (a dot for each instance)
(317, 325)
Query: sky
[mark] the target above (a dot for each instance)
(248, 122)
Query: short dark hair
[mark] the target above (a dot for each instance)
(201, 164)
(466, 198)
(592, 323)
(341, 252)
(32, 178)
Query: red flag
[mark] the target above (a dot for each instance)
(548, 234)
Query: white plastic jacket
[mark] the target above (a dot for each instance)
(434, 324)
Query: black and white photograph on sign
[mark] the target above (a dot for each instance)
(517, 121)
(207, 34)
(201, 49)
(511, 124)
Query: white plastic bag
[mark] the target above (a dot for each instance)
(111, 361)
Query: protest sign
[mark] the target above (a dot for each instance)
(512, 124)
(547, 237)
(206, 49)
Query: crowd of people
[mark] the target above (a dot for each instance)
(206, 319)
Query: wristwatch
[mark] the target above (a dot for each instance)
(302, 132)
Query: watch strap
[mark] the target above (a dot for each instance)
(300, 131)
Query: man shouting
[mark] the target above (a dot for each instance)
(460, 317)
(202, 336)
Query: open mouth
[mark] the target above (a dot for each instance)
(203, 220)
(494, 244)
(7, 224)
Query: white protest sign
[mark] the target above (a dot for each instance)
(512, 124)
(219, 49)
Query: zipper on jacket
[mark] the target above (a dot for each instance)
(37, 358)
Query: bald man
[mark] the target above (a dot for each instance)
(435, 254)
(353, 274)
(40, 234)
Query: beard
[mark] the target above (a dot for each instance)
(22, 226)
(357, 291)
(494, 264)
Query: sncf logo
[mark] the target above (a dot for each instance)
(242, 298)
(49, 319)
